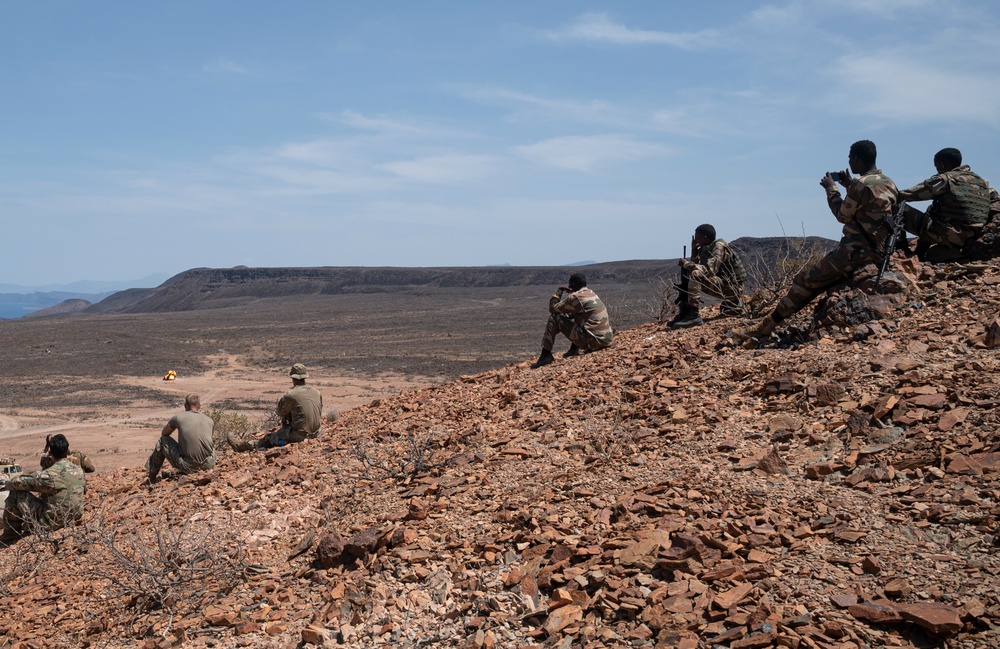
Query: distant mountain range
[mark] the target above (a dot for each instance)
(17, 300)
(88, 287)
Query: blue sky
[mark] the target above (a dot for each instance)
(140, 137)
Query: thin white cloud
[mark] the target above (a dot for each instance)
(699, 114)
(599, 28)
(887, 8)
(392, 127)
(442, 168)
(589, 111)
(588, 153)
(913, 90)
(224, 66)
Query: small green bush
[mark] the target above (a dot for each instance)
(226, 423)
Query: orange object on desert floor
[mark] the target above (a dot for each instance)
(170, 375)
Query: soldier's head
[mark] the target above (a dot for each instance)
(192, 402)
(704, 234)
(577, 281)
(298, 374)
(947, 159)
(58, 446)
(862, 156)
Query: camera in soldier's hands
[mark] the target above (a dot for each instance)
(835, 175)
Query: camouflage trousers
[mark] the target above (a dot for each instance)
(829, 271)
(950, 237)
(24, 512)
(284, 435)
(168, 449)
(565, 325)
(700, 281)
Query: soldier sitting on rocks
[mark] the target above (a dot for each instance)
(76, 457)
(194, 449)
(714, 268)
(580, 316)
(959, 210)
(865, 212)
(59, 502)
(301, 412)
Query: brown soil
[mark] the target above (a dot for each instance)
(836, 488)
(98, 379)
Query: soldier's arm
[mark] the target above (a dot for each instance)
(846, 208)
(716, 258)
(42, 482)
(569, 304)
(285, 406)
(86, 464)
(170, 427)
(925, 191)
(994, 203)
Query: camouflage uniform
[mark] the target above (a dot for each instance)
(580, 316)
(301, 412)
(864, 213)
(61, 486)
(76, 457)
(960, 208)
(718, 271)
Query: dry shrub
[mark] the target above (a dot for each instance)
(20, 562)
(770, 276)
(415, 456)
(663, 306)
(161, 561)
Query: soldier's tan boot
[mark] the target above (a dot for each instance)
(760, 329)
(241, 445)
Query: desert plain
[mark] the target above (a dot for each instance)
(98, 379)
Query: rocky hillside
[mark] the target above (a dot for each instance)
(835, 488)
(64, 308)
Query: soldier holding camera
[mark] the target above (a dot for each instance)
(865, 213)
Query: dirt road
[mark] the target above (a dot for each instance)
(123, 434)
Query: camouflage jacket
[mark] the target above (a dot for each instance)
(960, 197)
(718, 259)
(865, 211)
(61, 487)
(76, 457)
(587, 310)
(302, 409)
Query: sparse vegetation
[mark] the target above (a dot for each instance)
(663, 304)
(771, 269)
(163, 562)
(229, 423)
(416, 456)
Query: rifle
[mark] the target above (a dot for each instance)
(682, 288)
(896, 223)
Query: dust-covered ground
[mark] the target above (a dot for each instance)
(99, 379)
